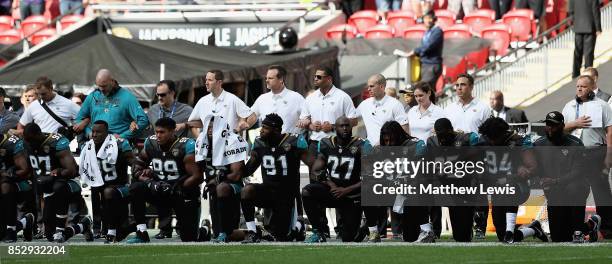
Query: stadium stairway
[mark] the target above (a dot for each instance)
(538, 72)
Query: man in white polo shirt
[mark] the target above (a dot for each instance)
(219, 103)
(467, 113)
(63, 107)
(280, 100)
(324, 106)
(380, 108)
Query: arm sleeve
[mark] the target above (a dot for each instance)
(596, 15)
(301, 142)
(349, 108)
(190, 147)
(399, 114)
(26, 118)
(366, 147)
(242, 110)
(18, 147)
(305, 111)
(195, 114)
(125, 146)
(85, 110)
(421, 148)
(138, 115)
(62, 144)
(436, 35)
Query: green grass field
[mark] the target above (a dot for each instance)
(393, 252)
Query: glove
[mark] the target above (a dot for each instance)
(160, 188)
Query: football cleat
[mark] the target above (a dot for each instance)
(539, 232)
(28, 229)
(40, 234)
(10, 236)
(110, 239)
(374, 237)
(578, 237)
(251, 238)
(426, 237)
(316, 237)
(479, 233)
(141, 237)
(265, 234)
(163, 234)
(595, 223)
(59, 237)
(300, 235)
(222, 238)
(204, 231)
(87, 232)
(509, 237)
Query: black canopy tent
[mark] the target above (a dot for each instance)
(136, 64)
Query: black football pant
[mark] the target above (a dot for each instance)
(268, 196)
(317, 196)
(186, 206)
(481, 214)
(11, 194)
(56, 198)
(461, 218)
(96, 208)
(114, 206)
(564, 220)
(584, 44)
(224, 201)
(412, 219)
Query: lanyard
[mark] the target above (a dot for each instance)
(577, 110)
(161, 112)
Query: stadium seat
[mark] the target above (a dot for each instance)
(10, 36)
(451, 73)
(499, 35)
(69, 20)
(477, 59)
(414, 32)
(42, 35)
(337, 31)
(445, 18)
(461, 31)
(521, 22)
(478, 19)
(6, 23)
(32, 24)
(363, 20)
(379, 32)
(400, 20)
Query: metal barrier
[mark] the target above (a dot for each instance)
(505, 77)
(207, 6)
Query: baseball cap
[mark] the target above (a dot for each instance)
(408, 90)
(554, 117)
(2, 92)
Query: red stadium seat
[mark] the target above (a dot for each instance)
(521, 22)
(477, 59)
(461, 31)
(69, 20)
(478, 19)
(451, 73)
(6, 23)
(414, 32)
(499, 35)
(445, 18)
(42, 35)
(400, 20)
(337, 31)
(10, 36)
(379, 32)
(33, 23)
(364, 19)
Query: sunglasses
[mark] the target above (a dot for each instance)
(319, 77)
(162, 94)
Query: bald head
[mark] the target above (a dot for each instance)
(344, 128)
(496, 101)
(104, 80)
(376, 86)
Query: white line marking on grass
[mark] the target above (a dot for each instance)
(537, 260)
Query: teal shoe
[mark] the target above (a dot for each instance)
(316, 237)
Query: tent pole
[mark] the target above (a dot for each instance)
(162, 71)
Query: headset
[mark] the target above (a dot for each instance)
(590, 96)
